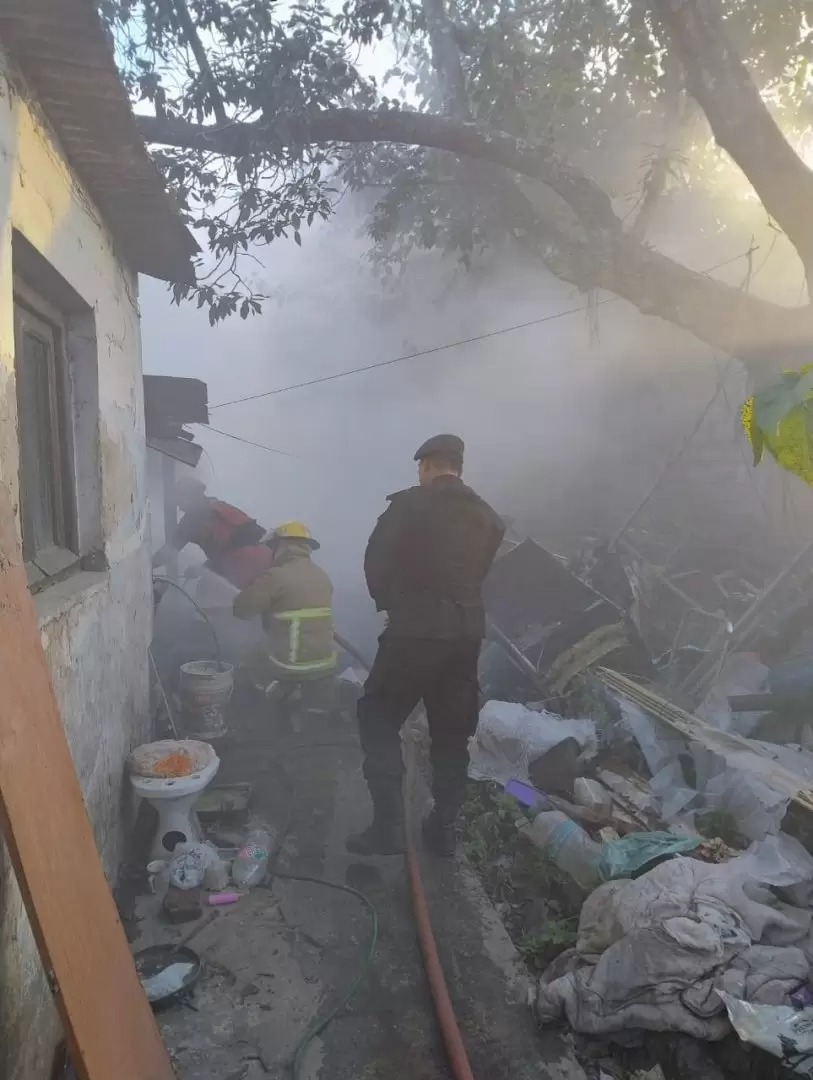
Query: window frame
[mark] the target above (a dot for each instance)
(34, 314)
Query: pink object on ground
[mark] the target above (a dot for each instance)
(216, 899)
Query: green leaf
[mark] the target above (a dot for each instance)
(773, 403)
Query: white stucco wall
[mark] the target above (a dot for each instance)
(95, 626)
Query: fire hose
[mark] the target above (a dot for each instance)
(444, 1010)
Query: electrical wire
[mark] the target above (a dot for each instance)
(441, 348)
(408, 356)
(248, 442)
(198, 608)
(319, 1025)
(672, 461)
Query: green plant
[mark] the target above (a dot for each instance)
(490, 828)
(543, 946)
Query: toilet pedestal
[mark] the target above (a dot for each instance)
(174, 799)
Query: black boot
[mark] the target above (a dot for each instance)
(439, 836)
(386, 835)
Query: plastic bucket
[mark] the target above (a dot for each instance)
(206, 688)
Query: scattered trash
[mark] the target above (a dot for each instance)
(658, 745)
(526, 794)
(196, 864)
(781, 861)
(182, 905)
(671, 790)
(783, 1031)
(158, 872)
(592, 795)
(715, 851)
(167, 982)
(747, 798)
(627, 857)
(251, 865)
(681, 920)
(567, 845)
(654, 953)
(633, 794)
(741, 673)
(557, 769)
(509, 736)
(221, 898)
(167, 972)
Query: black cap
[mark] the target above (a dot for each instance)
(445, 446)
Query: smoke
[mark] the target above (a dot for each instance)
(568, 423)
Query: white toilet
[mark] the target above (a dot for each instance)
(174, 799)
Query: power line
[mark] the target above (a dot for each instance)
(250, 442)
(435, 349)
(406, 356)
(721, 377)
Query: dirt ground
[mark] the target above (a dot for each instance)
(282, 957)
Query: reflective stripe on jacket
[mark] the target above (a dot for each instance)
(294, 599)
(295, 619)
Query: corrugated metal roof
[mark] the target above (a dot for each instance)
(66, 60)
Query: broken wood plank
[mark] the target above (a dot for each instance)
(109, 1026)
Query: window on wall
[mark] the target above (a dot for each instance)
(46, 474)
(57, 421)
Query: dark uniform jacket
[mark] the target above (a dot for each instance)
(427, 557)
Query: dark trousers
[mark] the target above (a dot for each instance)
(407, 670)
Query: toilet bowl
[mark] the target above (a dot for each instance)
(174, 798)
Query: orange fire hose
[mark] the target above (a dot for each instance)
(444, 1011)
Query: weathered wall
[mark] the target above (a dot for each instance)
(95, 626)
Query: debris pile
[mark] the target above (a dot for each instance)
(677, 803)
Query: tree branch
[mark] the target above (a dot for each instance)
(202, 60)
(765, 336)
(446, 59)
(539, 161)
(742, 125)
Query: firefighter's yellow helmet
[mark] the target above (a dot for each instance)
(293, 530)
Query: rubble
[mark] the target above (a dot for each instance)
(677, 839)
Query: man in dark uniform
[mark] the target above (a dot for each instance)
(425, 563)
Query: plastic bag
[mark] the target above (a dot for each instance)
(657, 746)
(742, 673)
(755, 806)
(592, 794)
(778, 860)
(783, 1031)
(671, 790)
(510, 735)
(193, 865)
(251, 865)
(622, 858)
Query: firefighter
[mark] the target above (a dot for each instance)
(294, 599)
(229, 538)
(425, 563)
